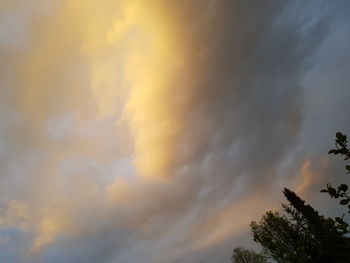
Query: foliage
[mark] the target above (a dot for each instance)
(242, 255)
(331, 245)
(303, 236)
(281, 239)
(341, 147)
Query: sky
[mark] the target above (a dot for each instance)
(155, 131)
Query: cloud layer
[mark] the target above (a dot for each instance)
(154, 131)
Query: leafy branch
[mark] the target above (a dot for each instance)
(341, 192)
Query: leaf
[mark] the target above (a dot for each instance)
(339, 135)
(332, 191)
(332, 151)
(343, 187)
(347, 167)
(344, 201)
(339, 220)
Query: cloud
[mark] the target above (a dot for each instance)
(154, 132)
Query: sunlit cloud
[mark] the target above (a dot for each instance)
(155, 131)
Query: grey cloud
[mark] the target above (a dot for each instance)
(246, 110)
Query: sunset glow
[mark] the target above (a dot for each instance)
(136, 131)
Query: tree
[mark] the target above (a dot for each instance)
(242, 255)
(303, 236)
(280, 238)
(331, 245)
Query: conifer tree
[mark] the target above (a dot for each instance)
(301, 236)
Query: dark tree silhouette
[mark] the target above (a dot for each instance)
(242, 255)
(341, 192)
(302, 236)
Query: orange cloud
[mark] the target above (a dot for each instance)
(309, 177)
